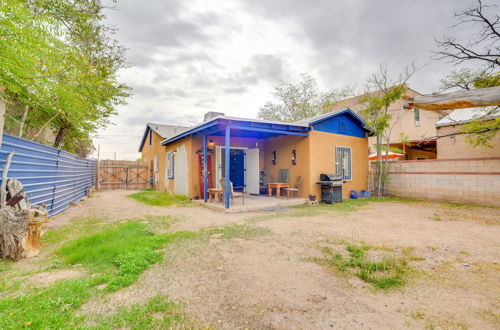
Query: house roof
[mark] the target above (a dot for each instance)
(466, 115)
(164, 131)
(258, 127)
(325, 116)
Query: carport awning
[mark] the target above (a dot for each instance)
(242, 128)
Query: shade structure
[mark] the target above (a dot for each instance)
(391, 155)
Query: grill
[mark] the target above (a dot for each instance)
(331, 188)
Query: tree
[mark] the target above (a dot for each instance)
(484, 44)
(381, 92)
(483, 48)
(299, 100)
(58, 60)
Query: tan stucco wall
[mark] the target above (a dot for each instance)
(283, 145)
(149, 152)
(322, 153)
(458, 147)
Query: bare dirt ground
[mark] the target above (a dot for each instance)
(268, 281)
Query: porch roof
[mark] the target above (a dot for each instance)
(241, 127)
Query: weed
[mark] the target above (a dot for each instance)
(417, 314)
(236, 231)
(435, 217)
(159, 198)
(157, 313)
(389, 272)
(48, 308)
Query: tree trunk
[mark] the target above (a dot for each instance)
(23, 120)
(379, 166)
(60, 136)
(44, 125)
(2, 118)
(20, 231)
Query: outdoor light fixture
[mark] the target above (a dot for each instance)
(274, 157)
(211, 143)
(294, 157)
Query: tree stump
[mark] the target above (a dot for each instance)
(20, 231)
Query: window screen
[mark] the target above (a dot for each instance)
(170, 165)
(343, 162)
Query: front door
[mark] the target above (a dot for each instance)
(209, 173)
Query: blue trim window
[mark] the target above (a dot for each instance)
(343, 162)
(150, 137)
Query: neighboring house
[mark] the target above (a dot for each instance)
(153, 153)
(451, 146)
(335, 142)
(418, 126)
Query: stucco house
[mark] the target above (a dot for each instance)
(415, 124)
(450, 146)
(248, 150)
(151, 150)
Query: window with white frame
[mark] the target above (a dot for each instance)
(416, 116)
(170, 165)
(343, 162)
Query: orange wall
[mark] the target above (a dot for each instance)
(322, 153)
(284, 146)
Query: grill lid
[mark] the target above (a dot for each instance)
(330, 177)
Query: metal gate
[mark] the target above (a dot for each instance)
(123, 174)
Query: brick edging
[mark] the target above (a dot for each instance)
(448, 173)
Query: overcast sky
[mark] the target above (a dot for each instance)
(193, 56)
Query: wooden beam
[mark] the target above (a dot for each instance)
(481, 97)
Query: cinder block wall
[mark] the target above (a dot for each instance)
(475, 181)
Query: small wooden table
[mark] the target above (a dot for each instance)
(212, 192)
(277, 186)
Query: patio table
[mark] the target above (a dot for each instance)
(212, 192)
(277, 186)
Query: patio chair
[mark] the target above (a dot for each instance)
(232, 193)
(295, 189)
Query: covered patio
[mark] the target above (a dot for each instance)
(232, 134)
(255, 203)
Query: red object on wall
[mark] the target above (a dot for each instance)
(209, 174)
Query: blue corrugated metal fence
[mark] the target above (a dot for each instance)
(49, 175)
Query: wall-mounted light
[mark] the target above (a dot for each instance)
(274, 157)
(294, 157)
(211, 143)
(174, 152)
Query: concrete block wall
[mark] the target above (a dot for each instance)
(475, 181)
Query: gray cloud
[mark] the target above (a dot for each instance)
(350, 37)
(206, 103)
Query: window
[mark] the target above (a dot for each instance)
(421, 158)
(416, 115)
(343, 162)
(150, 137)
(170, 165)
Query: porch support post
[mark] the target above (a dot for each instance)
(227, 164)
(205, 170)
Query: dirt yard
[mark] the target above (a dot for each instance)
(275, 275)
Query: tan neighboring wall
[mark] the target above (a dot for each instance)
(402, 119)
(322, 154)
(457, 147)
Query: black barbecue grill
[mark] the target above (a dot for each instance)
(331, 188)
